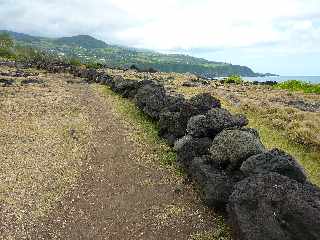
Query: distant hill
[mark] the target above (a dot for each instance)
(84, 41)
(87, 48)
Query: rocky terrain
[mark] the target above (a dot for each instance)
(265, 192)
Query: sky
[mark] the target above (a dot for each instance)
(278, 36)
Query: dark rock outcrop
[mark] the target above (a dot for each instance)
(213, 122)
(188, 148)
(232, 147)
(152, 99)
(274, 161)
(216, 184)
(6, 82)
(275, 207)
(204, 102)
(174, 118)
(126, 88)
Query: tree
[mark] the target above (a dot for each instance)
(6, 41)
(6, 45)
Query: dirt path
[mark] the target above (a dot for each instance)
(117, 189)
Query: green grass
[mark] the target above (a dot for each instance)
(148, 128)
(234, 79)
(272, 138)
(297, 85)
(222, 232)
(308, 157)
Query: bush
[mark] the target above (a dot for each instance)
(234, 79)
(74, 61)
(297, 85)
(94, 65)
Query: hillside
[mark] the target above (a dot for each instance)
(87, 49)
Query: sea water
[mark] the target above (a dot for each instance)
(310, 79)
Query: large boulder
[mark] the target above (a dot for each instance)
(151, 99)
(210, 124)
(91, 75)
(174, 118)
(126, 88)
(216, 184)
(232, 147)
(188, 148)
(274, 161)
(204, 102)
(104, 79)
(275, 207)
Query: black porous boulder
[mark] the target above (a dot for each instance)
(272, 206)
(216, 120)
(204, 102)
(174, 118)
(188, 148)
(232, 147)
(151, 99)
(216, 184)
(274, 161)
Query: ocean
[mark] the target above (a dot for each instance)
(311, 79)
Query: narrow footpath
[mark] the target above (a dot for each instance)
(120, 190)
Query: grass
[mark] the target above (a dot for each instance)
(308, 157)
(297, 85)
(150, 128)
(222, 232)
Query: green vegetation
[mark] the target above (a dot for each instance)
(222, 232)
(277, 138)
(234, 79)
(88, 49)
(297, 85)
(148, 129)
(6, 45)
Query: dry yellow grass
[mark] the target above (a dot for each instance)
(44, 137)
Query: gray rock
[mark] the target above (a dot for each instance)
(216, 185)
(188, 148)
(232, 147)
(151, 99)
(274, 161)
(210, 124)
(174, 118)
(126, 88)
(273, 206)
(204, 102)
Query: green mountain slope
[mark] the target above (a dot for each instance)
(88, 49)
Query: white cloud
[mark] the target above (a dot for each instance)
(224, 24)
(271, 27)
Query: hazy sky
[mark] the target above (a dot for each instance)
(281, 36)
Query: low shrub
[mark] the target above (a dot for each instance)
(297, 85)
(234, 79)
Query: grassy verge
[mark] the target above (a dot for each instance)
(274, 138)
(147, 132)
(148, 129)
(297, 85)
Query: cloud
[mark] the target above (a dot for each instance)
(269, 27)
